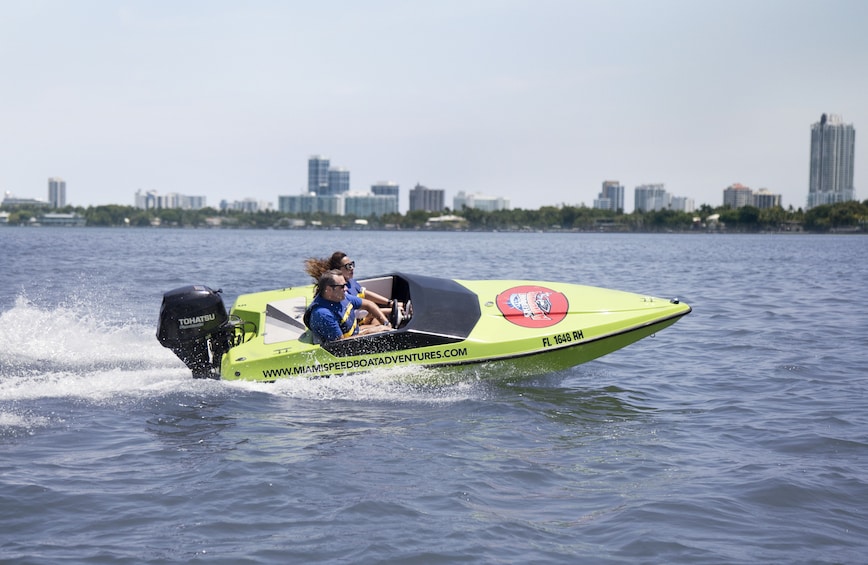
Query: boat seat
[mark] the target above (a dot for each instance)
(284, 320)
(380, 285)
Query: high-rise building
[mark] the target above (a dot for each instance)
(249, 205)
(338, 181)
(364, 205)
(479, 201)
(764, 198)
(832, 151)
(388, 188)
(317, 174)
(682, 204)
(651, 197)
(611, 197)
(427, 199)
(151, 200)
(306, 203)
(737, 195)
(56, 192)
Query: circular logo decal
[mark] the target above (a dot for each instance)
(532, 306)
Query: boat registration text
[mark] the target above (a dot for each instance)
(560, 339)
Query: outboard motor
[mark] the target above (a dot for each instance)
(194, 325)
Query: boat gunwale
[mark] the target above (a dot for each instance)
(560, 348)
(542, 352)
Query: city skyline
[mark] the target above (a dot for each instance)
(535, 103)
(654, 196)
(328, 188)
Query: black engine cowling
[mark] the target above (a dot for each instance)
(194, 325)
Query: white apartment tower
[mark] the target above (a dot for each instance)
(56, 192)
(832, 149)
(651, 197)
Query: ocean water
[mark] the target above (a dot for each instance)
(738, 435)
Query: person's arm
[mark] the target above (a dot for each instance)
(365, 303)
(369, 305)
(376, 298)
(325, 325)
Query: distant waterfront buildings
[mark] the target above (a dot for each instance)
(479, 202)
(56, 219)
(387, 188)
(766, 199)
(247, 205)
(325, 180)
(145, 200)
(151, 200)
(50, 219)
(427, 199)
(682, 204)
(12, 201)
(56, 192)
(328, 192)
(651, 197)
(310, 203)
(831, 176)
(363, 205)
(305, 203)
(832, 154)
(737, 196)
(357, 204)
(611, 197)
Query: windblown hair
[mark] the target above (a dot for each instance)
(325, 279)
(316, 266)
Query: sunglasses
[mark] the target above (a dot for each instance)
(345, 285)
(350, 265)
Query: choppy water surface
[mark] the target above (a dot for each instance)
(739, 435)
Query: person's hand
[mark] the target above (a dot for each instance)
(374, 329)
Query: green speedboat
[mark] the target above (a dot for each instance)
(491, 327)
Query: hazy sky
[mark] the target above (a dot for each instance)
(539, 101)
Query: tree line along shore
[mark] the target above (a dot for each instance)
(843, 217)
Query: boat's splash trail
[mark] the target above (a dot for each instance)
(77, 350)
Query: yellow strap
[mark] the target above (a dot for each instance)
(347, 314)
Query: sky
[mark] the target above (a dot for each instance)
(538, 101)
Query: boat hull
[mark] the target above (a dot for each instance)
(492, 328)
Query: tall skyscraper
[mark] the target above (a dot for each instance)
(318, 174)
(56, 192)
(832, 149)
